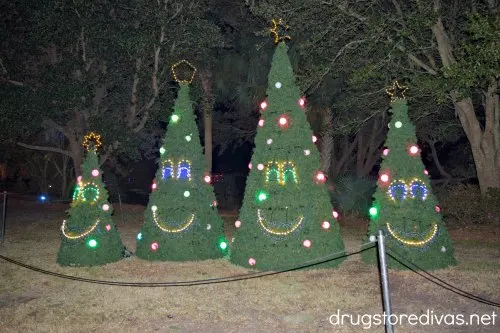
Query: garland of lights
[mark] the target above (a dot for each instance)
(279, 232)
(405, 189)
(86, 188)
(183, 169)
(174, 66)
(166, 167)
(71, 235)
(412, 242)
(92, 139)
(284, 169)
(183, 227)
(396, 91)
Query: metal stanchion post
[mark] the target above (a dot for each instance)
(121, 208)
(4, 214)
(386, 295)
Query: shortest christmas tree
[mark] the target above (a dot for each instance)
(89, 236)
(404, 206)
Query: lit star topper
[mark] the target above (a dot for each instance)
(396, 91)
(92, 141)
(183, 71)
(279, 31)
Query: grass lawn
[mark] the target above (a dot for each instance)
(300, 301)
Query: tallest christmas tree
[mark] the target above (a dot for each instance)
(286, 218)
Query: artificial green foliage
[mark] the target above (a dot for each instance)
(86, 209)
(284, 192)
(187, 226)
(409, 219)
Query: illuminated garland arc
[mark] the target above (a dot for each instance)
(183, 227)
(279, 232)
(71, 235)
(430, 235)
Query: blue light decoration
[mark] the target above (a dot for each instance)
(43, 198)
(397, 190)
(168, 169)
(418, 189)
(184, 170)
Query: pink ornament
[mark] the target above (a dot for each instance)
(108, 227)
(214, 203)
(335, 214)
(307, 243)
(325, 225)
(413, 150)
(385, 152)
(249, 165)
(79, 179)
(263, 105)
(260, 166)
(283, 121)
(384, 177)
(261, 122)
(302, 101)
(320, 177)
(252, 262)
(314, 138)
(154, 246)
(105, 207)
(95, 172)
(237, 224)
(207, 179)
(154, 186)
(438, 209)
(426, 172)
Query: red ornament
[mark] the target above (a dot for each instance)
(325, 225)
(320, 177)
(438, 209)
(283, 121)
(384, 178)
(307, 243)
(413, 150)
(302, 102)
(335, 214)
(263, 105)
(252, 262)
(154, 246)
(154, 186)
(426, 172)
(207, 179)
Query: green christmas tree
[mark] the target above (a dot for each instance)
(182, 222)
(404, 206)
(286, 218)
(89, 236)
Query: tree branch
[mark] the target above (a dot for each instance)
(417, 61)
(45, 148)
(57, 127)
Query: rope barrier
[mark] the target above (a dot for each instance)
(240, 277)
(434, 279)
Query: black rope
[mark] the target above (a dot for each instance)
(240, 277)
(434, 279)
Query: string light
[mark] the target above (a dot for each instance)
(396, 91)
(89, 191)
(262, 196)
(73, 235)
(188, 138)
(184, 170)
(161, 224)
(283, 172)
(168, 169)
(187, 194)
(278, 231)
(430, 235)
(398, 187)
(416, 188)
(139, 236)
(92, 140)
(279, 35)
(187, 80)
(373, 212)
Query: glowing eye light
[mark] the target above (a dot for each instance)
(302, 102)
(174, 118)
(413, 150)
(207, 179)
(335, 214)
(92, 243)
(307, 152)
(162, 150)
(307, 243)
(95, 172)
(398, 191)
(261, 122)
(398, 124)
(260, 166)
(314, 138)
(187, 194)
(385, 152)
(252, 262)
(237, 224)
(384, 177)
(325, 225)
(418, 190)
(263, 105)
(154, 246)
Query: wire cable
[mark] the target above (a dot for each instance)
(432, 278)
(240, 277)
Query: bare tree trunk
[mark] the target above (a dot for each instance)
(437, 162)
(208, 104)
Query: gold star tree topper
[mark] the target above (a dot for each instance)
(396, 91)
(183, 71)
(279, 31)
(92, 141)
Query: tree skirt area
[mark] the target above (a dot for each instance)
(299, 301)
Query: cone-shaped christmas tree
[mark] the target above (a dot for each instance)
(89, 236)
(286, 218)
(404, 206)
(182, 222)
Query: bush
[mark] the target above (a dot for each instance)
(353, 195)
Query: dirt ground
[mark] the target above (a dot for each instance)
(300, 301)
